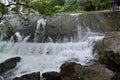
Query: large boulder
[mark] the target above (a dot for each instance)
(74, 71)
(51, 75)
(9, 64)
(116, 77)
(32, 76)
(109, 50)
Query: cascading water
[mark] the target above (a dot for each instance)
(48, 56)
(40, 30)
(19, 37)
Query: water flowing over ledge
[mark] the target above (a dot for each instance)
(48, 56)
(68, 38)
(63, 27)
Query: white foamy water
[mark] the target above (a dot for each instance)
(4, 2)
(75, 14)
(47, 56)
(19, 37)
(41, 23)
(40, 28)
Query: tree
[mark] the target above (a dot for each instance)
(59, 2)
(72, 5)
(101, 4)
(44, 7)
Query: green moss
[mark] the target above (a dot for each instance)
(10, 32)
(32, 36)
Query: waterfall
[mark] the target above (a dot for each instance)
(48, 56)
(19, 37)
(72, 41)
(40, 30)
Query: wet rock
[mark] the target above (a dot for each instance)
(32, 76)
(109, 50)
(69, 69)
(116, 77)
(18, 78)
(111, 44)
(9, 64)
(51, 75)
(74, 71)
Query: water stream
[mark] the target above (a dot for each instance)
(49, 56)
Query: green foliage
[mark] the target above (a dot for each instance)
(3, 10)
(45, 7)
(89, 6)
(101, 4)
(58, 2)
(77, 5)
(73, 5)
(9, 33)
(58, 8)
(48, 7)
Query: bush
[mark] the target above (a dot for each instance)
(59, 8)
(75, 5)
(71, 5)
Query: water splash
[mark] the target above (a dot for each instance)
(2, 22)
(19, 37)
(48, 56)
(26, 38)
(2, 36)
(50, 39)
(41, 23)
(1, 78)
(40, 30)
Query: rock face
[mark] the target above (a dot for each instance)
(116, 77)
(51, 76)
(112, 44)
(110, 50)
(9, 64)
(74, 71)
(32, 76)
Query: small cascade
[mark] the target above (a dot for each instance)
(1, 78)
(81, 34)
(19, 37)
(1, 22)
(40, 30)
(26, 38)
(2, 36)
(50, 39)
